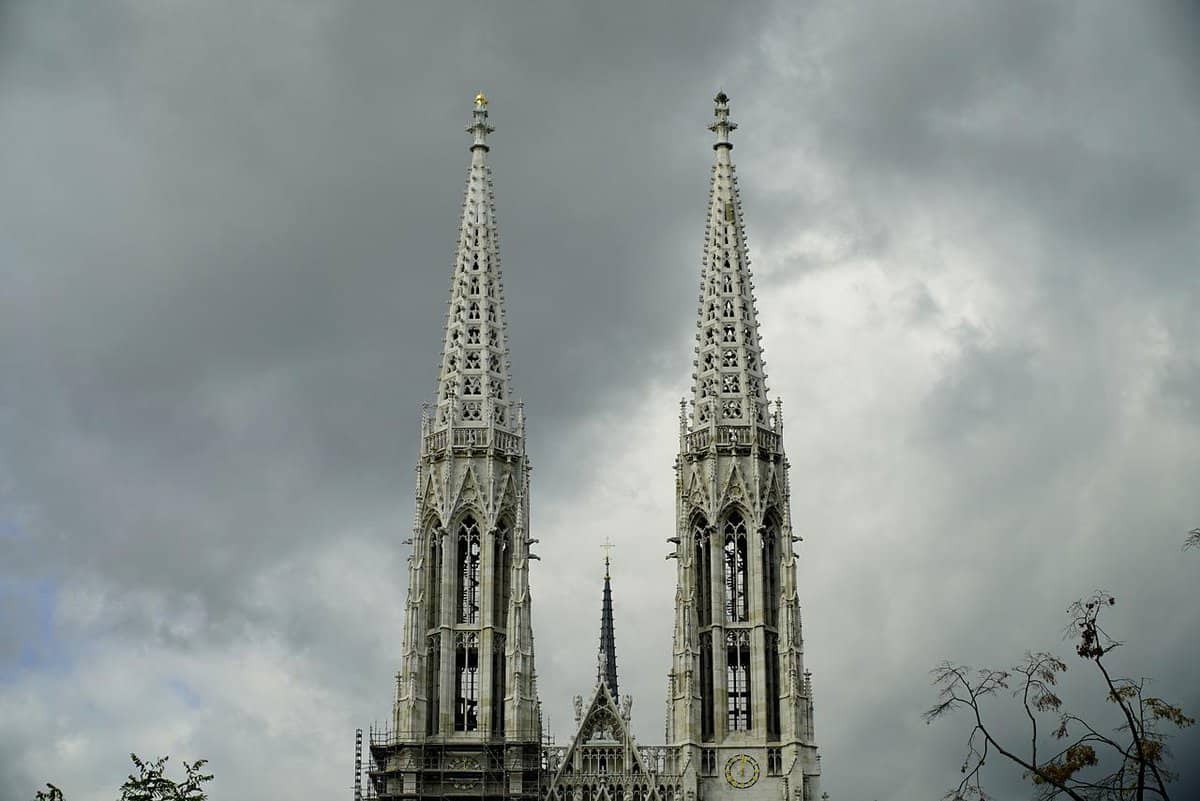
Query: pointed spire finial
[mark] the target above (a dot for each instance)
(479, 127)
(723, 124)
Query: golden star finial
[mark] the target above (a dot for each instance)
(480, 100)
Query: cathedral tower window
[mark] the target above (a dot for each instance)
(472, 360)
(702, 566)
(499, 686)
(727, 310)
(737, 680)
(727, 281)
(473, 311)
(471, 385)
(433, 591)
(433, 668)
(474, 285)
(494, 363)
(468, 571)
(473, 335)
(770, 574)
(772, 682)
(466, 689)
(502, 567)
(731, 409)
(496, 387)
(735, 569)
(707, 732)
(730, 334)
(729, 383)
(729, 358)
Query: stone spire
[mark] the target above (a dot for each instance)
(735, 694)
(729, 384)
(606, 671)
(467, 688)
(473, 384)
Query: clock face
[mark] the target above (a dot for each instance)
(741, 771)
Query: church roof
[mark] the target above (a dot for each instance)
(473, 383)
(730, 384)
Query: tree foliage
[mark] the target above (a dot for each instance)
(1193, 540)
(150, 783)
(1086, 764)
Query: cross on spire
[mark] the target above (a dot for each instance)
(479, 127)
(607, 547)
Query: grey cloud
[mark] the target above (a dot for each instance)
(225, 244)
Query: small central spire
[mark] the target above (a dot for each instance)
(479, 127)
(606, 671)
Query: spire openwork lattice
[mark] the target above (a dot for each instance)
(730, 386)
(473, 384)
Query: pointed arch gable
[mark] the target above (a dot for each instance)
(602, 717)
(733, 489)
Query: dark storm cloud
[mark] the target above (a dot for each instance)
(225, 236)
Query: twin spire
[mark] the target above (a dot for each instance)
(729, 384)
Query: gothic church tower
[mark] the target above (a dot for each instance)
(739, 710)
(466, 720)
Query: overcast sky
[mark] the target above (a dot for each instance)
(226, 232)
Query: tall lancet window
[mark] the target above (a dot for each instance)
(433, 585)
(702, 576)
(468, 571)
(770, 574)
(502, 567)
(737, 680)
(466, 683)
(770, 601)
(702, 567)
(736, 608)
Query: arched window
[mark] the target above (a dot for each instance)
(702, 566)
(770, 574)
(502, 565)
(770, 602)
(433, 579)
(468, 571)
(736, 607)
(702, 572)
